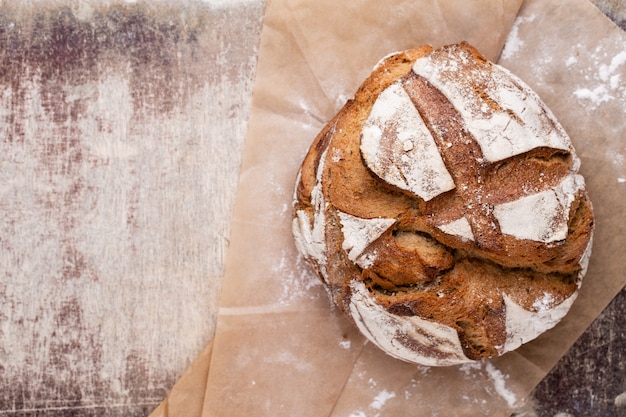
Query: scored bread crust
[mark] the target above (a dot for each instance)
(443, 209)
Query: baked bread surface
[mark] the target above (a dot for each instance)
(443, 210)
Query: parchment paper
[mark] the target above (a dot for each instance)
(280, 348)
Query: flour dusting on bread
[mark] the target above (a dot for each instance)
(449, 222)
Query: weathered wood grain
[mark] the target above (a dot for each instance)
(121, 128)
(614, 10)
(588, 380)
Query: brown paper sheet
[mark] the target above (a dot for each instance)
(187, 396)
(280, 349)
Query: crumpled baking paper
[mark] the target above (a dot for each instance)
(280, 348)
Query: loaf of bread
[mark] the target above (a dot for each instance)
(443, 209)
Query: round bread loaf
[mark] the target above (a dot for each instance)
(443, 210)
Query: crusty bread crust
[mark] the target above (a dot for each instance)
(448, 251)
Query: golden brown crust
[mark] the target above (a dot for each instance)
(415, 268)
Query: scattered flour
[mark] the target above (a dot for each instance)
(381, 398)
(341, 100)
(602, 72)
(296, 281)
(604, 77)
(607, 72)
(468, 368)
(597, 96)
(616, 156)
(499, 382)
(493, 379)
(377, 403)
(571, 61)
(286, 357)
(513, 43)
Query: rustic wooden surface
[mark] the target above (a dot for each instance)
(121, 129)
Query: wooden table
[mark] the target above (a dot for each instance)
(121, 130)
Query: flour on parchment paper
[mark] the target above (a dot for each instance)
(377, 405)
(601, 71)
(514, 43)
(295, 283)
(604, 81)
(381, 398)
(484, 385)
(493, 380)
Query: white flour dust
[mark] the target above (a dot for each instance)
(494, 381)
(378, 403)
(381, 398)
(513, 43)
(603, 77)
(297, 281)
(499, 382)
